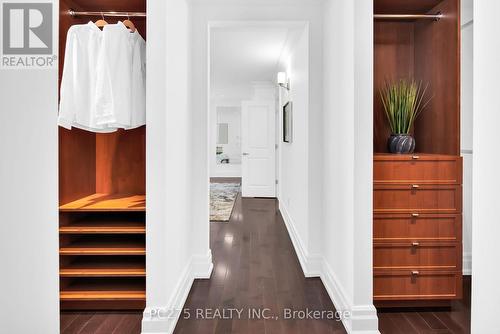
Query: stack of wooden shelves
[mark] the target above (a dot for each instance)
(102, 251)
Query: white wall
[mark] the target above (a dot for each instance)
(466, 128)
(29, 238)
(171, 261)
(486, 160)
(347, 171)
(294, 157)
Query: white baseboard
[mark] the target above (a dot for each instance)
(334, 288)
(311, 264)
(362, 319)
(467, 264)
(202, 266)
(162, 319)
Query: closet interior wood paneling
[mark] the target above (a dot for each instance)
(102, 198)
(417, 198)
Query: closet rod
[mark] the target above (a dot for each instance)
(435, 17)
(108, 14)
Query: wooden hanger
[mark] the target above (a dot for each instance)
(101, 23)
(129, 24)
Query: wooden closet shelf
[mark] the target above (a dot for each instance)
(105, 247)
(106, 202)
(103, 266)
(95, 285)
(103, 272)
(104, 227)
(101, 251)
(102, 295)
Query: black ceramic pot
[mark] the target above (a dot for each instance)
(401, 143)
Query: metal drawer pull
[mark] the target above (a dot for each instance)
(415, 215)
(415, 157)
(415, 186)
(415, 244)
(415, 272)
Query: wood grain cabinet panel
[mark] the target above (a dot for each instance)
(398, 198)
(416, 168)
(417, 226)
(417, 285)
(417, 255)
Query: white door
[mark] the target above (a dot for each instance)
(258, 149)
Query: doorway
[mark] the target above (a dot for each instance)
(244, 61)
(243, 99)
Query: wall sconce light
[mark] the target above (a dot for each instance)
(283, 80)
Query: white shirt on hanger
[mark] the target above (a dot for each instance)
(114, 78)
(104, 79)
(138, 103)
(121, 83)
(78, 84)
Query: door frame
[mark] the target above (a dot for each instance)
(243, 23)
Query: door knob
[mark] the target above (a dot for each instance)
(246, 153)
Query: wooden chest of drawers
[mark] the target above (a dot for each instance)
(417, 228)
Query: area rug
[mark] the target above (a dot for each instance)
(222, 198)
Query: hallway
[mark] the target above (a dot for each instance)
(255, 266)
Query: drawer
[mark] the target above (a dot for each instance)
(423, 285)
(434, 169)
(415, 226)
(416, 198)
(417, 255)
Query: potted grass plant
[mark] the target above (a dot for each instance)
(403, 101)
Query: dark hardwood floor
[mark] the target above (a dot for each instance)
(101, 322)
(255, 266)
(455, 319)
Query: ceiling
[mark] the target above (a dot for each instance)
(241, 55)
(105, 5)
(404, 6)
